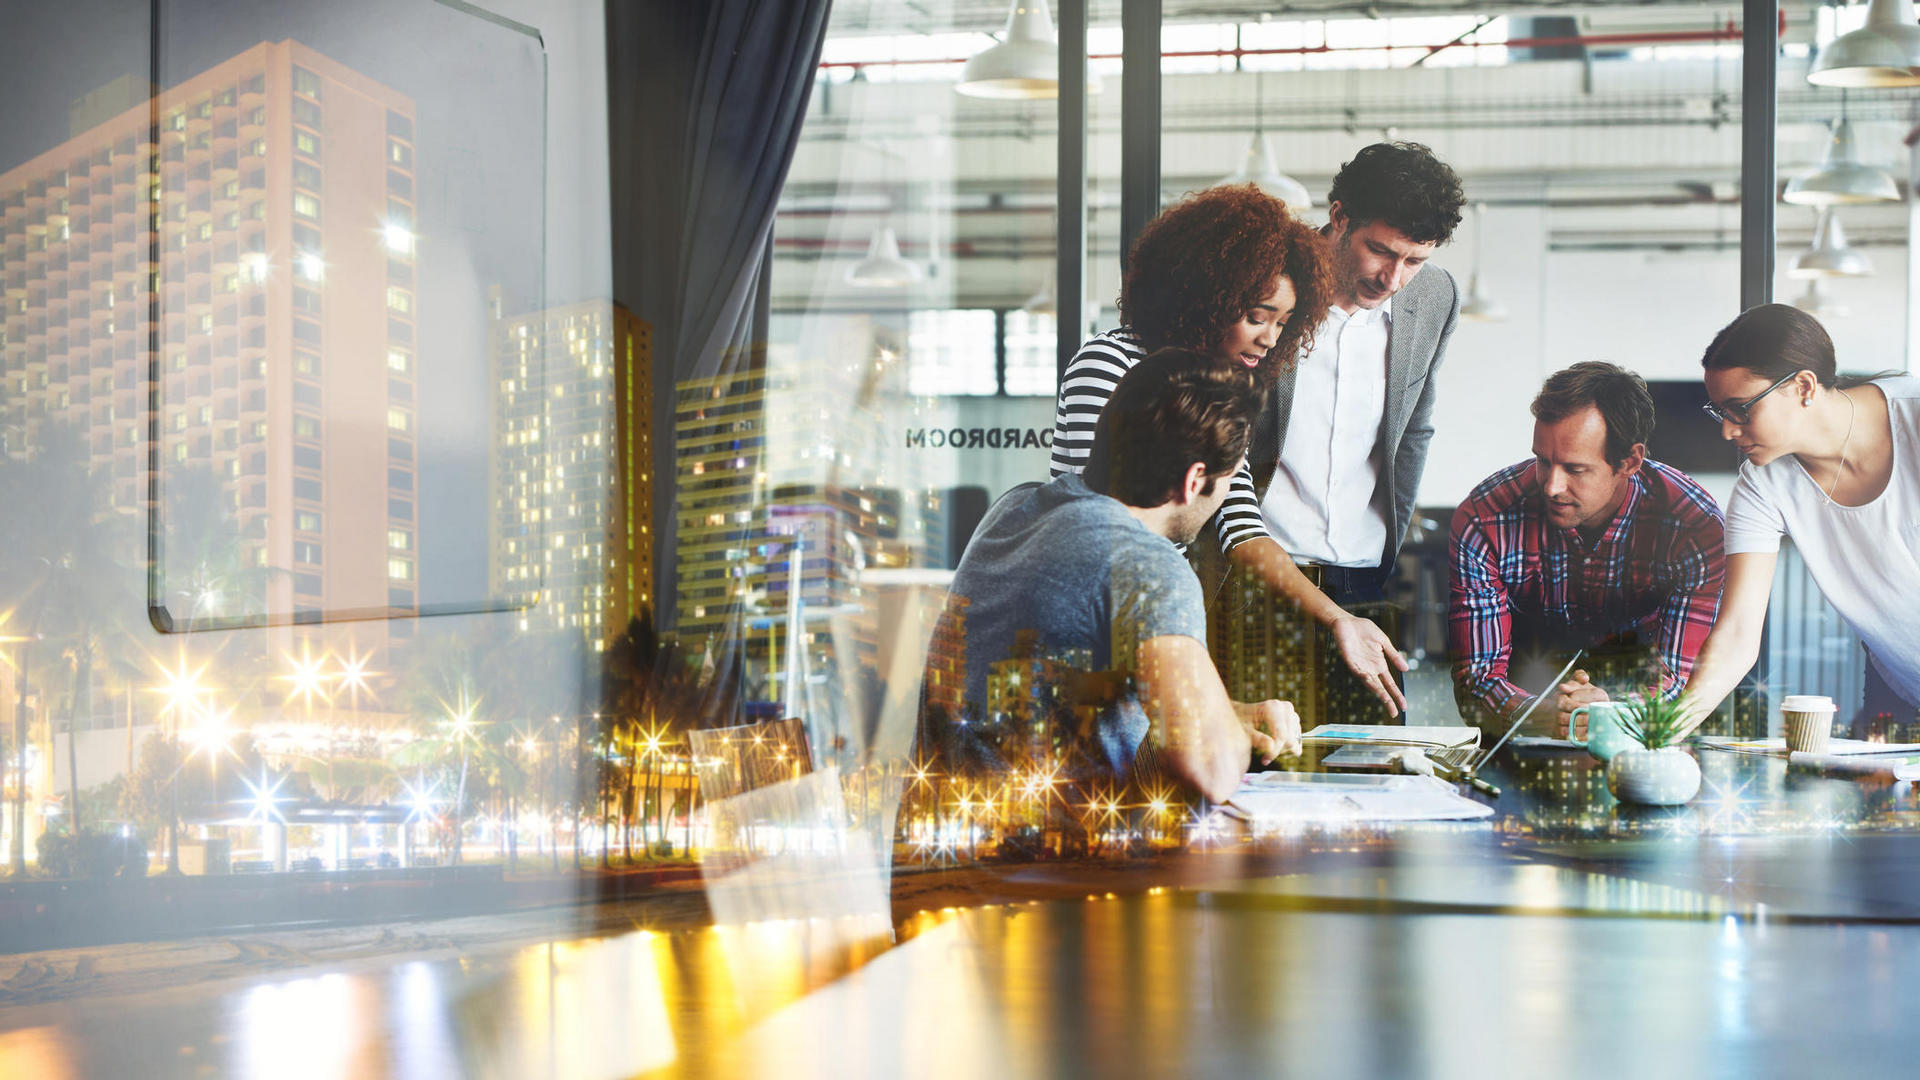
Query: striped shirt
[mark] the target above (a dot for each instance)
(1084, 390)
(1654, 575)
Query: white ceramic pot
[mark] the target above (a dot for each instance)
(1668, 776)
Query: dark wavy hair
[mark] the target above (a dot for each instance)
(1174, 408)
(1207, 260)
(1404, 185)
(1622, 397)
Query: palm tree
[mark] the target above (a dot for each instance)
(69, 564)
(203, 574)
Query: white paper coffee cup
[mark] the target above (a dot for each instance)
(1809, 722)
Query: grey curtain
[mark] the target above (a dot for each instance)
(705, 104)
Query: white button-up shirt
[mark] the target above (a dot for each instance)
(1321, 505)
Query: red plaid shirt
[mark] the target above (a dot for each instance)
(1654, 573)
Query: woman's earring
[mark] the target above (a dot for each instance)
(1806, 402)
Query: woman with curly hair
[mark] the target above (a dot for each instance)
(1229, 273)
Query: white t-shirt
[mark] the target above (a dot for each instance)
(1323, 504)
(1866, 559)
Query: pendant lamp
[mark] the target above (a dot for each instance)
(1883, 53)
(1024, 64)
(1256, 166)
(1842, 178)
(1830, 257)
(1478, 306)
(883, 268)
(1818, 304)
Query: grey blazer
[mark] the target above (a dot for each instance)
(1425, 312)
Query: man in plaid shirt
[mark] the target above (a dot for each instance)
(1588, 546)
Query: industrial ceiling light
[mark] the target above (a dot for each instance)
(1026, 62)
(883, 268)
(1841, 177)
(1818, 304)
(1478, 306)
(1830, 257)
(1885, 52)
(1257, 168)
(1043, 301)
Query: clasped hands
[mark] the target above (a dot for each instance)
(1578, 690)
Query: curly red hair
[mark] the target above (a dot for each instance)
(1207, 260)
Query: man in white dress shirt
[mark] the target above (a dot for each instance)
(1338, 456)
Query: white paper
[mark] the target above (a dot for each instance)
(1278, 799)
(1777, 746)
(1543, 742)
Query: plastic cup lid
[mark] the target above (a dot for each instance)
(1807, 703)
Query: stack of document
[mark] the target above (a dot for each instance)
(1777, 746)
(1272, 800)
(1885, 768)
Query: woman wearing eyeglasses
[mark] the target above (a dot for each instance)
(1834, 464)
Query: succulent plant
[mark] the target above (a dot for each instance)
(1653, 721)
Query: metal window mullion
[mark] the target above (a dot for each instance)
(1139, 118)
(1070, 181)
(1759, 77)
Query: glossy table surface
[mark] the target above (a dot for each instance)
(1768, 928)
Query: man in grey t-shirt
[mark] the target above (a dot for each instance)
(1075, 631)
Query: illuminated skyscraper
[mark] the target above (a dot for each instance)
(571, 522)
(719, 437)
(629, 567)
(265, 209)
(740, 512)
(1265, 648)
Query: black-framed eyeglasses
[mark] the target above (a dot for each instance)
(1739, 412)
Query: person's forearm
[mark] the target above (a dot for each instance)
(1488, 699)
(1209, 753)
(1270, 563)
(1229, 751)
(1724, 660)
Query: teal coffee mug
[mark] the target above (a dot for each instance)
(1605, 736)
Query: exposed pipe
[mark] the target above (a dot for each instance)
(1730, 32)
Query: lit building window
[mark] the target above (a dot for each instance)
(399, 420)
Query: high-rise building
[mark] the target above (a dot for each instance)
(629, 567)
(719, 439)
(571, 468)
(1265, 648)
(255, 227)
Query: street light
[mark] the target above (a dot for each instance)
(182, 692)
(353, 676)
(310, 677)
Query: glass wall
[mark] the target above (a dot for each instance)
(309, 368)
(1845, 172)
(363, 564)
